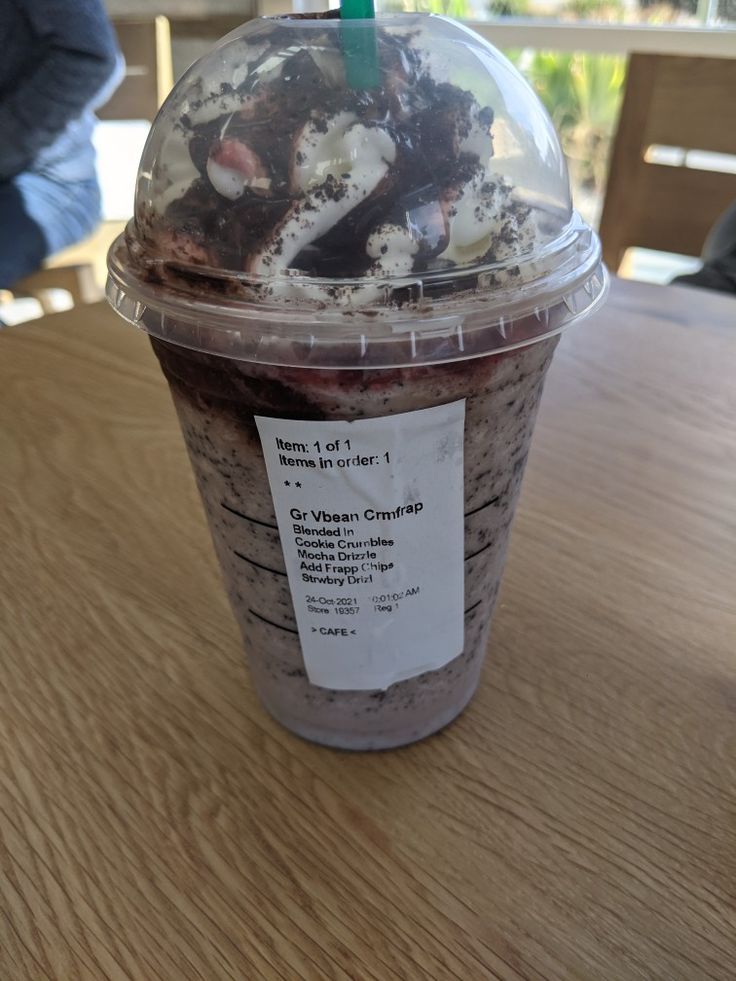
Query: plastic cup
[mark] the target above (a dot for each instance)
(357, 404)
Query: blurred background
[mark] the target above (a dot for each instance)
(575, 53)
(581, 88)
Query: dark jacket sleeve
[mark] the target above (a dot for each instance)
(75, 53)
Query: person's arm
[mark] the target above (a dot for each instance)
(79, 54)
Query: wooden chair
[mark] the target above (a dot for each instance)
(146, 47)
(676, 102)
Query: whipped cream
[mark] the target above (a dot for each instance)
(277, 170)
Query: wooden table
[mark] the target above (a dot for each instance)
(578, 822)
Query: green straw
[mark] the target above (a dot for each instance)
(359, 45)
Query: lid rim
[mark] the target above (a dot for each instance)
(259, 353)
(449, 330)
(577, 251)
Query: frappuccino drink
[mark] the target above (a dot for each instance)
(354, 287)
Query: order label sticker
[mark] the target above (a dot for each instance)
(370, 515)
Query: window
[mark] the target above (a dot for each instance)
(574, 54)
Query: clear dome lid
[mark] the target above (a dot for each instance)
(311, 162)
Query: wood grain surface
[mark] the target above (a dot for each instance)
(578, 821)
